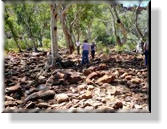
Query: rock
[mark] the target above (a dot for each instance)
(74, 78)
(89, 70)
(43, 105)
(93, 75)
(32, 90)
(136, 80)
(50, 80)
(123, 75)
(41, 80)
(86, 72)
(105, 85)
(41, 77)
(69, 105)
(105, 109)
(118, 105)
(101, 67)
(86, 95)
(128, 77)
(60, 75)
(10, 103)
(111, 90)
(23, 79)
(12, 89)
(82, 87)
(96, 105)
(36, 54)
(8, 98)
(32, 96)
(88, 109)
(30, 105)
(48, 94)
(116, 74)
(87, 103)
(62, 98)
(89, 82)
(75, 101)
(105, 79)
(136, 106)
(117, 93)
(90, 87)
(42, 87)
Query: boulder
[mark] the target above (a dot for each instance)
(101, 67)
(46, 94)
(41, 79)
(123, 75)
(10, 103)
(118, 105)
(74, 78)
(90, 87)
(136, 80)
(105, 79)
(82, 87)
(92, 76)
(12, 89)
(62, 98)
(86, 95)
(43, 105)
(128, 77)
(89, 70)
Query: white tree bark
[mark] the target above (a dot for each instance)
(53, 27)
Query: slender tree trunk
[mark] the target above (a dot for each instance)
(89, 32)
(120, 24)
(40, 42)
(136, 22)
(68, 36)
(78, 35)
(25, 41)
(138, 29)
(12, 31)
(54, 45)
(118, 41)
(17, 44)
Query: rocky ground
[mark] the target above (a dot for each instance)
(117, 83)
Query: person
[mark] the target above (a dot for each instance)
(93, 50)
(146, 53)
(85, 52)
(78, 47)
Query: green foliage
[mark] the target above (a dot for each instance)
(46, 43)
(85, 21)
(10, 45)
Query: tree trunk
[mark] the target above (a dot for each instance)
(68, 36)
(136, 22)
(40, 42)
(25, 41)
(12, 31)
(89, 32)
(120, 24)
(137, 27)
(78, 35)
(118, 41)
(54, 45)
